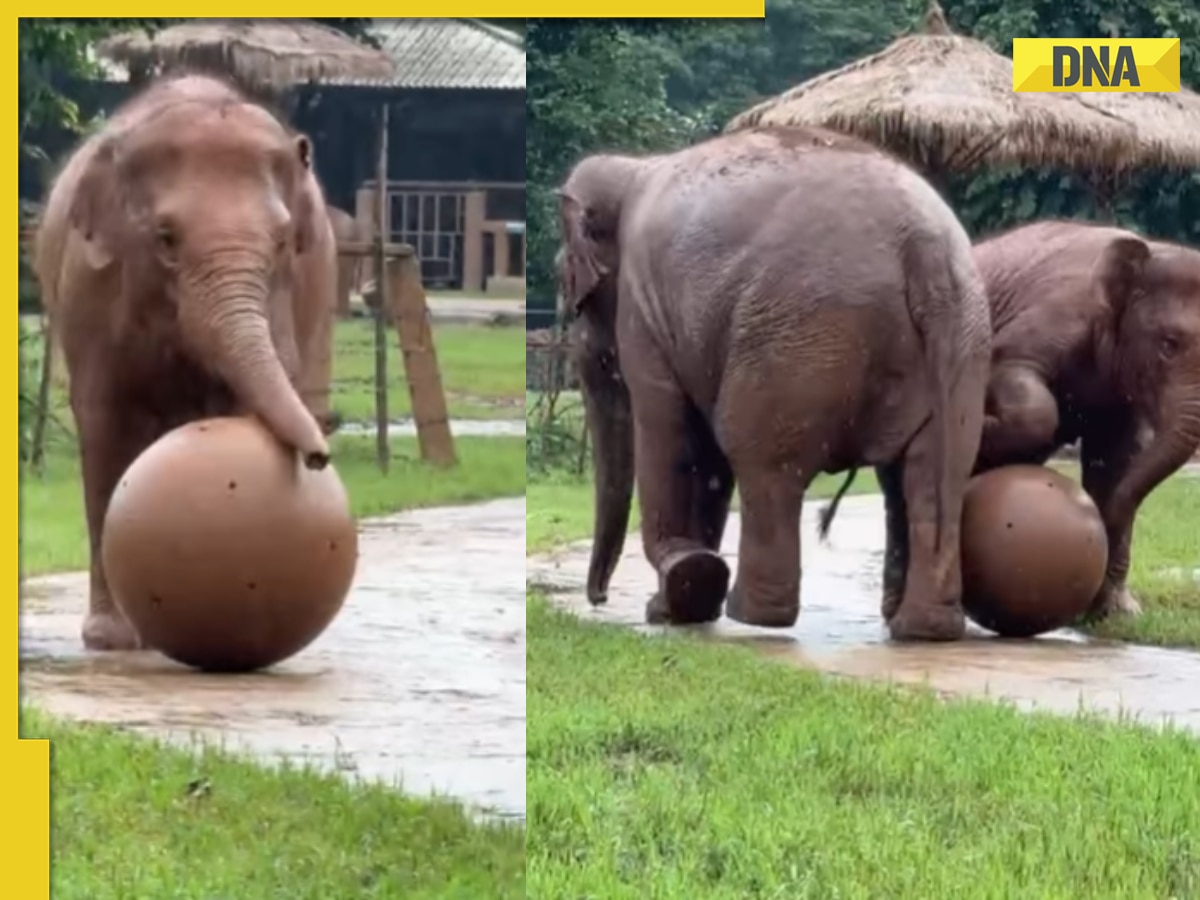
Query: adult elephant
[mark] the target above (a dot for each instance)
(762, 307)
(351, 269)
(1097, 339)
(188, 268)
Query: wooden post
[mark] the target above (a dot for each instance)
(500, 264)
(411, 314)
(382, 448)
(474, 213)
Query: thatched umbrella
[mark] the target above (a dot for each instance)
(264, 56)
(1168, 125)
(946, 103)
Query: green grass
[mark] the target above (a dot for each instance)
(662, 767)
(1165, 554)
(134, 818)
(482, 368)
(54, 533)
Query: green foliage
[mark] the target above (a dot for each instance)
(1157, 203)
(651, 85)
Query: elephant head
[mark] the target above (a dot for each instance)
(588, 267)
(206, 206)
(1152, 343)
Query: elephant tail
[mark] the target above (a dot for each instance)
(826, 516)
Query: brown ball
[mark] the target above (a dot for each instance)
(224, 550)
(1034, 550)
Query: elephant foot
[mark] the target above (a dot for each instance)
(760, 615)
(927, 622)
(108, 631)
(1113, 602)
(693, 587)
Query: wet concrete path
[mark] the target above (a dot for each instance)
(458, 427)
(420, 680)
(840, 631)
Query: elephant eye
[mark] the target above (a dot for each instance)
(167, 238)
(1169, 345)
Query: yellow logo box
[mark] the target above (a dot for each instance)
(1091, 65)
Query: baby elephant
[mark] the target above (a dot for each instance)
(189, 270)
(1097, 339)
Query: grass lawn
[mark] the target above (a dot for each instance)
(661, 767)
(134, 818)
(483, 371)
(665, 767)
(1166, 548)
(54, 534)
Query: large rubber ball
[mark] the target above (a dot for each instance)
(1034, 550)
(224, 550)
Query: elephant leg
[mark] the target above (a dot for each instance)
(693, 579)
(711, 491)
(1105, 464)
(106, 451)
(767, 590)
(931, 605)
(1021, 420)
(712, 487)
(895, 557)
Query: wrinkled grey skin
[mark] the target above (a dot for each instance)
(763, 307)
(1097, 339)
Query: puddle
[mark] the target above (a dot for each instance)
(458, 427)
(419, 682)
(840, 631)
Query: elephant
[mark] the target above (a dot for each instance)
(188, 268)
(755, 309)
(1097, 340)
(351, 269)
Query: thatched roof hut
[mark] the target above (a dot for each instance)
(1168, 125)
(259, 54)
(946, 103)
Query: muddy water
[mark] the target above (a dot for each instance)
(420, 681)
(840, 631)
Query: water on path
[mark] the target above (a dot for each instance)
(419, 681)
(458, 427)
(840, 631)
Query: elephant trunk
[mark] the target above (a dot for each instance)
(223, 315)
(610, 422)
(1173, 444)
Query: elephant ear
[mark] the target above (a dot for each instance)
(96, 207)
(1120, 272)
(580, 267)
(305, 214)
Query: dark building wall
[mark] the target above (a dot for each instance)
(444, 135)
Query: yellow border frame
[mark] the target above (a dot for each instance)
(25, 764)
